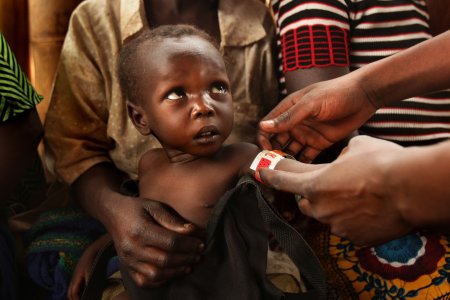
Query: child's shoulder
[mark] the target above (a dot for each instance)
(242, 155)
(243, 149)
(151, 157)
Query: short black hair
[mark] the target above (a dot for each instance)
(128, 74)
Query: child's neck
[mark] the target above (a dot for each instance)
(179, 157)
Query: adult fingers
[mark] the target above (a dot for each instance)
(168, 218)
(290, 165)
(154, 235)
(287, 114)
(150, 276)
(174, 233)
(269, 125)
(365, 144)
(305, 207)
(160, 258)
(308, 154)
(293, 148)
(313, 141)
(293, 182)
(264, 139)
(281, 140)
(153, 266)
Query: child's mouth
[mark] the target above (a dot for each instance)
(207, 134)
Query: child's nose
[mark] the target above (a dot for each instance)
(202, 107)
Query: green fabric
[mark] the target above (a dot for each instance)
(16, 93)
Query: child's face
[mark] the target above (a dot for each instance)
(185, 96)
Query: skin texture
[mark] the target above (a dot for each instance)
(373, 180)
(297, 80)
(184, 101)
(157, 244)
(345, 200)
(183, 80)
(167, 247)
(317, 117)
(323, 113)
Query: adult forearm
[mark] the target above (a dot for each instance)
(418, 70)
(97, 189)
(19, 140)
(419, 180)
(298, 79)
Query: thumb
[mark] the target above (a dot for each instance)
(285, 117)
(296, 183)
(168, 218)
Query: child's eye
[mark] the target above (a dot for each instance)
(176, 94)
(219, 88)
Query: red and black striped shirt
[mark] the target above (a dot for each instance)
(354, 33)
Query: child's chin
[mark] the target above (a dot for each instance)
(208, 149)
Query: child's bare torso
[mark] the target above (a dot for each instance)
(193, 188)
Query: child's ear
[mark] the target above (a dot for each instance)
(138, 117)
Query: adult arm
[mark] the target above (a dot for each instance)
(297, 80)
(20, 126)
(375, 191)
(324, 113)
(20, 138)
(314, 48)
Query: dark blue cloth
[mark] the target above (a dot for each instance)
(8, 268)
(57, 241)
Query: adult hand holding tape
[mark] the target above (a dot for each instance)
(344, 193)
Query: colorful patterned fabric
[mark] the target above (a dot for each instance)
(29, 193)
(314, 46)
(58, 240)
(16, 93)
(416, 266)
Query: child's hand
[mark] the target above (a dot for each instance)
(82, 270)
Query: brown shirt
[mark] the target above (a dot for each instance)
(87, 121)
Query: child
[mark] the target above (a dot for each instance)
(97, 135)
(180, 93)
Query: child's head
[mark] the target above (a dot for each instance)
(177, 88)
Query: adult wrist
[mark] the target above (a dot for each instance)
(428, 170)
(363, 80)
(418, 178)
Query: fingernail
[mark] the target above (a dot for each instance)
(288, 216)
(268, 123)
(260, 172)
(201, 247)
(298, 197)
(188, 225)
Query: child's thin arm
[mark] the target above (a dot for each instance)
(82, 270)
